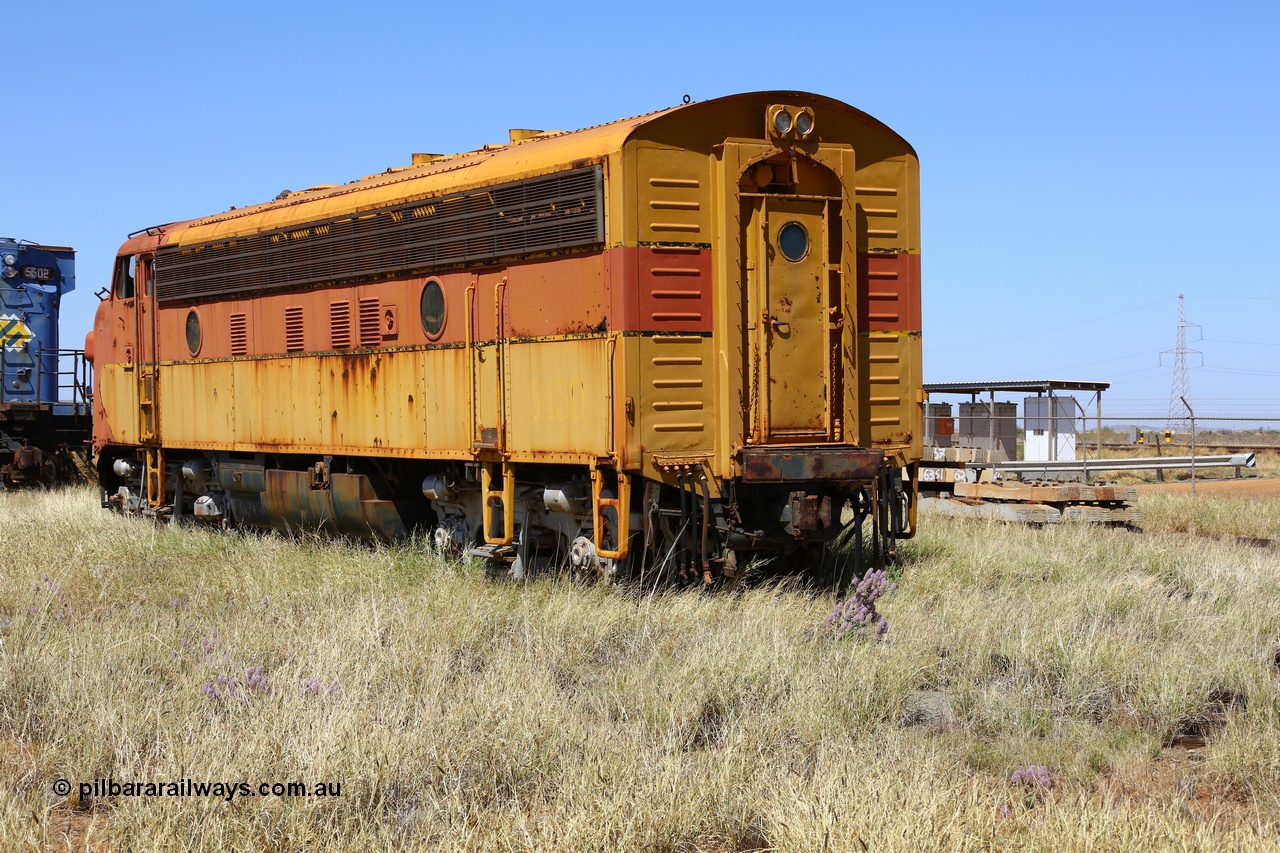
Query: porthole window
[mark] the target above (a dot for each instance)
(193, 331)
(793, 241)
(433, 309)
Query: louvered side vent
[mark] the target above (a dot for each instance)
(340, 325)
(553, 212)
(370, 322)
(293, 328)
(239, 335)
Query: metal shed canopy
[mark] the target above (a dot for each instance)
(1039, 386)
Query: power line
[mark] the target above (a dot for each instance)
(1239, 370)
(1243, 343)
(1262, 298)
(986, 342)
(1047, 370)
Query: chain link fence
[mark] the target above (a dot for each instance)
(1059, 429)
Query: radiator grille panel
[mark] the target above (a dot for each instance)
(370, 322)
(293, 339)
(340, 325)
(557, 211)
(239, 335)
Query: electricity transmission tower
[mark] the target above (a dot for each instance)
(1179, 416)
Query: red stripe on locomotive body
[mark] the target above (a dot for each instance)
(663, 289)
(888, 292)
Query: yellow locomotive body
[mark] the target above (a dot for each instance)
(683, 338)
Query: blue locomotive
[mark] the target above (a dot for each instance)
(45, 390)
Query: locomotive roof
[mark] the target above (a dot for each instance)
(472, 169)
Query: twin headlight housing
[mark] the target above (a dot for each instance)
(10, 271)
(787, 122)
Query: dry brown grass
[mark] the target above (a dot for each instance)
(472, 715)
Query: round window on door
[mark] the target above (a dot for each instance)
(193, 331)
(793, 241)
(433, 309)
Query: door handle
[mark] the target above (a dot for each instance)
(781, 327)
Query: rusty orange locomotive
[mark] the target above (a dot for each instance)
(670, 343)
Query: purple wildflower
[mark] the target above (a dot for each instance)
(256, 679)
(858, 613)
(1033, 776)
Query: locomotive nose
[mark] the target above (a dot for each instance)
(88, 347)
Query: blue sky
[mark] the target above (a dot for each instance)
(1081, 164)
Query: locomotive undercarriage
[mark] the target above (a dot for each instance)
(40, 448)
(562, 518)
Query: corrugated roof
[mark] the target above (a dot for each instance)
(1040, 386)
(484, 165)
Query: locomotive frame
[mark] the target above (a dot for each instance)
(676, 341)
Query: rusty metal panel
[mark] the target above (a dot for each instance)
(291, 502)
(358, 512)
(675, 411)
(888, 198)
(381, 400)
(891, 414)
(439, 405)
(672, 195)
(401, 402)
(118, 390)
(559, 395)
(200, 403)
(812, 463)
